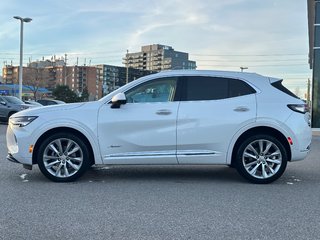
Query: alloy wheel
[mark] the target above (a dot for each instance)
(262, 159)
(63, 157)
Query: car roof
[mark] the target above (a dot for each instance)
(228, 74)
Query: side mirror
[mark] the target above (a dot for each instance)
(3, 103)
(117, 100)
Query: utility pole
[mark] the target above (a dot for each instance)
(65, 67)
(127, 63)
(308, 93)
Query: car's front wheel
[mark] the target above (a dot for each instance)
(261, 159)
(63, 157)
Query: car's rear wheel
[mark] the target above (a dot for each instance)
(63, 157)
(261, 159)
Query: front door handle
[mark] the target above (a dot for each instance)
(241, 109)
(163, 112)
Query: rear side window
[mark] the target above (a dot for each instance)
(214, 88)
(205, 88)
(278, 85)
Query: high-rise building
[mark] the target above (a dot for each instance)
(158, 57)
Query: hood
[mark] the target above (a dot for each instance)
(33, 111)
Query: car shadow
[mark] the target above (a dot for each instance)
(162, 173)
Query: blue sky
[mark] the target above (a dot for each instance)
(269, 37)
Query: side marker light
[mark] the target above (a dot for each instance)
(31, 149)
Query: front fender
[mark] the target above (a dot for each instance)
(88, 130)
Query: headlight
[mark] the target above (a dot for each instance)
(22, 121)
(24, 107)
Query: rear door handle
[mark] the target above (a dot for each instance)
(241, 109)
(163, 112)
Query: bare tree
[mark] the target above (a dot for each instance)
(35, 79)
(297, 91)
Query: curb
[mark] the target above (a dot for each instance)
(315, 132)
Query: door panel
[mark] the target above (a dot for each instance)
(206, 127)
(137, 134)
(143, 131)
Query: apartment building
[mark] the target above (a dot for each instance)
(113, 77)
(158, 57)
(49, 74)
(79, 78)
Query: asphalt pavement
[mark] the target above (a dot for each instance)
(193, 202)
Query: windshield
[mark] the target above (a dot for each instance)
(13, 100)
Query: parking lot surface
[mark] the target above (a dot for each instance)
(165, 202)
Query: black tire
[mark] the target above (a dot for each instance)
(66, 163)
(9, 115)
(261, 166)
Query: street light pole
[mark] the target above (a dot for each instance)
(243, 68)
(22, 20)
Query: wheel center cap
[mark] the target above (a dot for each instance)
(262, 159)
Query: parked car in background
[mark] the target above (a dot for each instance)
(245, 120)
(33, 103)
(46, 102)
(10, 105)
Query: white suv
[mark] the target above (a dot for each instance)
(245, 120)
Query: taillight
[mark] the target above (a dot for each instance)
(300, 108)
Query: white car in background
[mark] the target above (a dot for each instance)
(244, 120)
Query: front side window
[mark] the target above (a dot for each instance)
(161, 90)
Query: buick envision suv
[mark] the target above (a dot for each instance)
(245, 120)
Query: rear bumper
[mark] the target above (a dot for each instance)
(301, 134)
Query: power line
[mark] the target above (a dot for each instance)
(254, 60)
(249, 55)
(277, 65)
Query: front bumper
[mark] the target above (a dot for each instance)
(18, 142)
(12, 159)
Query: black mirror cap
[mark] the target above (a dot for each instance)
(118, 103)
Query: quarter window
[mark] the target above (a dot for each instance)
(214, 88)
(161, 90)
(239, 88)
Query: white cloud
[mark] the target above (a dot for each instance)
(103, 29)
